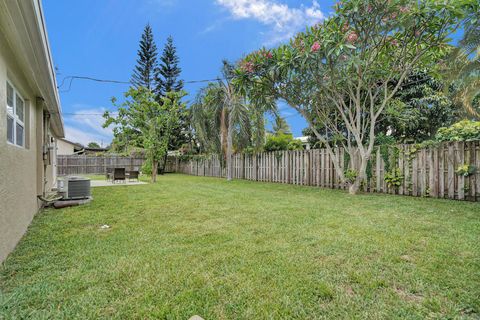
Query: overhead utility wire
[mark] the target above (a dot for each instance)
(188, 81)
(71, 78)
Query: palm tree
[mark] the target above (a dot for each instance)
(218, 114)
(207, 119)
(280, 126)
(466, 63)
(224, 121)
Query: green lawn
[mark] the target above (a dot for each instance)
(93, 176)
(246, 250)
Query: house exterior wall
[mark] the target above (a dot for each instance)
(21, 168)
(64, 148)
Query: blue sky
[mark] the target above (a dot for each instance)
(100, 39)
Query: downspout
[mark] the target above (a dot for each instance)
(45, 150)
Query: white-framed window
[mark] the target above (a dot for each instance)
(15, 117)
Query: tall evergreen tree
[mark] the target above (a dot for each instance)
(169, 71)
(145, 72)
(167, 81)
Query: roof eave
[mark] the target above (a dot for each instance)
(29, 40)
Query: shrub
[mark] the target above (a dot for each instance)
(295, 145)
(281, 142)
(465, 130)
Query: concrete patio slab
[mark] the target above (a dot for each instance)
(108, 183)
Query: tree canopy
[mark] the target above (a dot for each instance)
(169, 70)
(148, 123)
(93, 145)
(351, 66)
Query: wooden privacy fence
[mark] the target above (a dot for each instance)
(425, 172)
(86, 164)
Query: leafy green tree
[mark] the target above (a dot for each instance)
(351, 66)
(312, 138)
(419, 108)
(148, 123)
(93, 145)
(414, 114)
(145, 73)
(333, 139)
(168, 70)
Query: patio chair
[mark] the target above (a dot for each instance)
(133, 175)
(118, 174)
(108, 174)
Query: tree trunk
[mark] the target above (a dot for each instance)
(154, 171)
(223, 132)
(229, 149)
(164, 164)
(361, 174)
(355, 186)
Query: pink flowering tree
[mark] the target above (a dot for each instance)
(342, 74)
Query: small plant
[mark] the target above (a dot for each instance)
(466, 170)
(394, 178)
(427, 193)
(350, 175)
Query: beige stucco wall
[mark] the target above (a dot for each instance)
(21, 169)
(64, 148)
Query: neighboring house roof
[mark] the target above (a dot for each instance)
(75, 145)
(23, 24)
(302, 139)
(96, 149)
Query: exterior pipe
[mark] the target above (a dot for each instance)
(46, 145)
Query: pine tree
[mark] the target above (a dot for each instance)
(145, 72)
(169, 71)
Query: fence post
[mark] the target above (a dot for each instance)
(460, 146)
(451, 175)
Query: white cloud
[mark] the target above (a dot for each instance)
(83, 137)
(215, 25)
(85, 126)
(283, 20)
